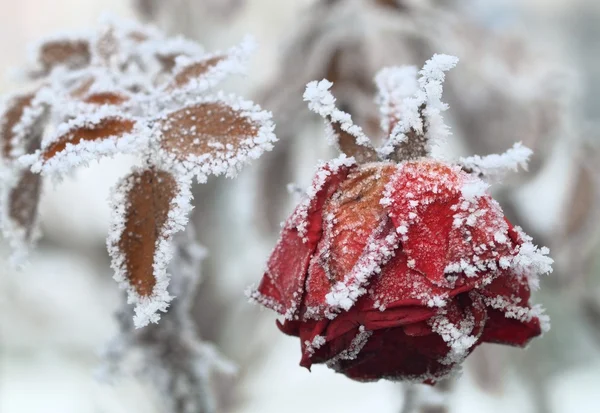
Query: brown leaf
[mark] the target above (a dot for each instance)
(71, 53)
(24, 193)
(149, 201)
(194, 71)
(106, 128)
(106, 98)
(23, 202)
(348, 145)
(415, 146)
(82, 92)
(10, 118)
(205, 128)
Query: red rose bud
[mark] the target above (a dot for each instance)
(399, 270)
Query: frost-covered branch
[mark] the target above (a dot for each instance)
(341, 131)
(411, 108)
(171, 354)
(495, 166)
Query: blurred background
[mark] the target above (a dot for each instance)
(529, 72)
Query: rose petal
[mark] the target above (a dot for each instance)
(354, 242)
(282, 286)
(421, 198)
(511, 319)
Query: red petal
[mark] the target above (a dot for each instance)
(393, 354)
(504, 329)
(400, 286)
(357, 220)
(282, 285)
(429, 190)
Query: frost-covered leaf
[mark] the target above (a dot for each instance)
(84, 139)
(195, 71)
(19, 202)
(73, 53)
(21, 132)
(150, 206)
(13, 114)
(206, 71)
(342, 132)
(215, 136)
(87, 92)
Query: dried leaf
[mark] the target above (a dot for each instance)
(150, 200)
(107, 128)
(23, 204)
(349, 137)
(216, 135)
(106, 98)
(347, 144)
(21, 193)
(68, 52)
(11, 117)
(82, 92)
(195, 71)
(156, 207)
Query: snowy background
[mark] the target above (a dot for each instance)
(57, 315)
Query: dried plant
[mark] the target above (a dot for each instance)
(128, 89)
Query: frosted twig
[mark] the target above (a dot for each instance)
(174, 358)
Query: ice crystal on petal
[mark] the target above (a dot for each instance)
(299, 218)
(353, 350)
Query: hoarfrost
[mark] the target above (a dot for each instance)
(127, 88)
(495, 166)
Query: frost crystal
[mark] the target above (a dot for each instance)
(495, 166)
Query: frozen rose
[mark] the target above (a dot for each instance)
(399, 271)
